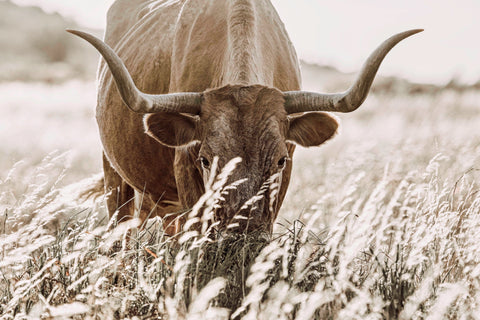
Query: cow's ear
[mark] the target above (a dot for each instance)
(171, 129)
(311, 129)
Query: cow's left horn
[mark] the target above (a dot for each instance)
(185, 102)
(350, 100)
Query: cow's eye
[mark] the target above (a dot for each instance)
(205, 163)
(282, 162)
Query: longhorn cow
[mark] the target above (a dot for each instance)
(188, 81)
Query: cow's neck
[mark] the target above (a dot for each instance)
(243, 60)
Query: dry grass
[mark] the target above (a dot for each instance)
(381, 223)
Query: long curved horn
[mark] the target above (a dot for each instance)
(137, 101)
(350, 100)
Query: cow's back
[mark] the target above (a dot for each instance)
(214, 44)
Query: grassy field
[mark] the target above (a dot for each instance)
(380, 223)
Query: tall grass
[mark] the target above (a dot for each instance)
(380, 224)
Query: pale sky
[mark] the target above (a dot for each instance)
(343, 32)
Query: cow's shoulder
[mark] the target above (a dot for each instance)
(123, 15)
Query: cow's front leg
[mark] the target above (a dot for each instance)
(119, 195)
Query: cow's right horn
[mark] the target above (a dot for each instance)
(350, 100)
(184, 102)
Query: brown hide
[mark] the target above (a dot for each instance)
(181, 46)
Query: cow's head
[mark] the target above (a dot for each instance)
(250, 123)
(254, 123)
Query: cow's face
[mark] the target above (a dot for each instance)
(248, 123)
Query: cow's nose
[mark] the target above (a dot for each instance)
(250, 218)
